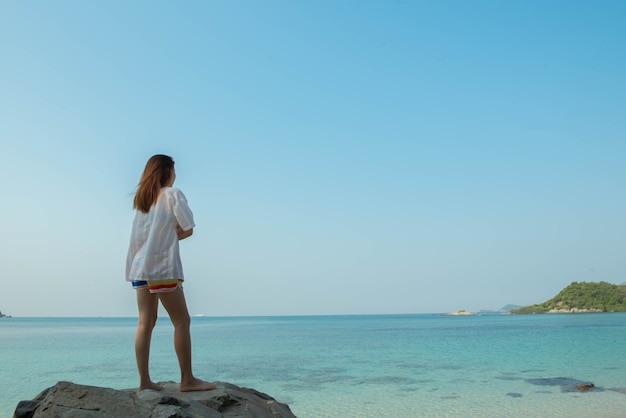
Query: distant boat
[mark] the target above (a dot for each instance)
(3, 315)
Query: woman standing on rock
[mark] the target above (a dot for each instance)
(153, 266)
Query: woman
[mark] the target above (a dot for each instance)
(153, 266)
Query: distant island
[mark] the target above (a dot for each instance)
(581, 298)
(461, 312)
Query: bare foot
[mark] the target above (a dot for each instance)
(150, 385)
(196, 385)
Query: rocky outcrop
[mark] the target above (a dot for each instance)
(584, 387)
(66, 399)
(462, 312)
(574, 310)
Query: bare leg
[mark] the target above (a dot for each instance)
(174, 303)
(147, 304)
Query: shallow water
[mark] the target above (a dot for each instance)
(348, 366)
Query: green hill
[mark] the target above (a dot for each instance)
(585, 297)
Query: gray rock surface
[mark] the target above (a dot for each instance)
(70, 400)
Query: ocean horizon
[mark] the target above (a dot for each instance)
(411, 365)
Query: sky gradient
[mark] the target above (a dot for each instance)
(340, 157)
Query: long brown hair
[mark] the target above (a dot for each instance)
(156, 175)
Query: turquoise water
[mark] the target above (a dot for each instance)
(348, 366)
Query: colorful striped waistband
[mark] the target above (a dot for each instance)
(158, 286)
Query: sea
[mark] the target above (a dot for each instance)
(422, 365)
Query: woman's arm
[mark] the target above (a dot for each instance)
(183, 234)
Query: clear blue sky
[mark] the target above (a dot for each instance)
(340, 157)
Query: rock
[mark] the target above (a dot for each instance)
(25, 409)
(574, 310)
(585, 386)
(66, 399)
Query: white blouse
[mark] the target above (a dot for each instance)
(153, 253)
